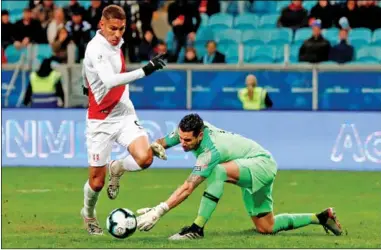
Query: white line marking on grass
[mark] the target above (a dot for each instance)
(27, 191)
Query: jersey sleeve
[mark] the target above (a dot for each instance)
(206, 162)
(102, 65)
(172, 139)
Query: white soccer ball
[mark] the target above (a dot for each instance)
(121, 223)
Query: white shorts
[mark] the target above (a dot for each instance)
(101, 134)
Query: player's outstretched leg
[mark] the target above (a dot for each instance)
(91, 190)
(140, 158)
(329, 221)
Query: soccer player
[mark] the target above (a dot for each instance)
(111, 115)
(226, 157)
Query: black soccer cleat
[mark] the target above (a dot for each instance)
(329, 221)
(189, 233)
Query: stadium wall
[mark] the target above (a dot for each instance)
(297, 140)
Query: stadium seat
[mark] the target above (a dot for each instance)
(279, 36)
(231, 54)
(15, 17)
(332, 35)
(369, 53)
(13, 55)
(264, 7)
(281, 5)
(246, 21)
(204, 20)
(257, 54)
(14, 6)
(294, 53)
(204, 34)
(85, 3)
(229, 36)
(200, 50)
(360, 36)
(329, 63)
(268, 21)
(221, 21)
(376, 40)
(43, 51)
(61, 4)
(301, 35)
(170, 41)
(254, 37)
(308, 5)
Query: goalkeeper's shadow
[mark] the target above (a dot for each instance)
(253, 232)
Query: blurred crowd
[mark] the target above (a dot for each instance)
(44, 22)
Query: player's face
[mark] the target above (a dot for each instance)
(113, 30)
(188, 141)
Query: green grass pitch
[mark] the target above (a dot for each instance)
(40, 209)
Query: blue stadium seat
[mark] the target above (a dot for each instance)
(281, 5)
(371, 62)
(279, 36)
(204, 20)
(231, 54)
(170, 41)
(294, 53)
(308, 5)
(14, 6)
(85, 3)
(332, 35)
(43, 51)
(200, 50)
(204, 34)
(257, 54)
(61, 4)
(301, 35)
(268, 21)
(13, 55)
(369, 53)
(246, 21)
(360, 36)
(221, 21)
(229, 36)
(254, 37)
(264, 7)
(15, 17)
(376, 40)
(329, 63)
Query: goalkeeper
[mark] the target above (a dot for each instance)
(226, 157)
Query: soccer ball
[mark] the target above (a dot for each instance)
(121, 223)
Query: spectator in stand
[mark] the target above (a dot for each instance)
(315, 49)
(73, 6)
(324, 11)
(181, 15)
(209, 7)
(350, 11)
(146, 48)
(56, 24)
(370, 15)
(293, 16)
(161, 48)
(6, 30)
(191, 56)
(79, 32)
(139, 17)
(44, 12)
(241, 6)
(59, 46)
(27, 30)
(342, 52)
(212, 55)
(94, 13)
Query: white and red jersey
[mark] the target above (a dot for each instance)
(103, 68)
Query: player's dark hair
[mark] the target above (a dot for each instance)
(192, 123)
(114, 12)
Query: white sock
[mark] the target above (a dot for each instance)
(130, 165)
(90, 200)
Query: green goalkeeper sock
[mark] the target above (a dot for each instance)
(285, 222)
(211, 195)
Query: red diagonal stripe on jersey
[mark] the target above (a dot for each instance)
(110, 100)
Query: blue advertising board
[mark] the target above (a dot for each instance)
(290, 90)
(349, 91)
(297, 140)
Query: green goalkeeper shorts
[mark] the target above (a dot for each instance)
(258, 198)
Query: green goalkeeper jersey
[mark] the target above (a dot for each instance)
(219, 146)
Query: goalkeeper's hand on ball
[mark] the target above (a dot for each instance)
(148, 217)
(158, 150)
